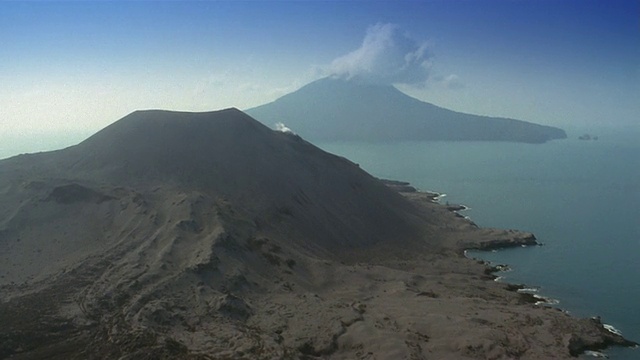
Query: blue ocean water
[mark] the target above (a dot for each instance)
(580, 198)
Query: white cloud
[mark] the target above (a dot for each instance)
(386, 56)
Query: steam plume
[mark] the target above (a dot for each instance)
(386, 56)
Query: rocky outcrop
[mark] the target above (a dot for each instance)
(506, 239)
(587, 137)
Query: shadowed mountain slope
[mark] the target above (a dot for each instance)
(228, 155)
(339, 110)
(172, 235)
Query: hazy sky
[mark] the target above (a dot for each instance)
(75, 67)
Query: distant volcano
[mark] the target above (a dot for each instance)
(339, 110)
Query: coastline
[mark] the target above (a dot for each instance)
(406, 298)
(609, 336)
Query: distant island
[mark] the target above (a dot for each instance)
(587, 137)
(339, 110)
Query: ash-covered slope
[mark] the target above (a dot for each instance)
(208, 236)
(163, 216)
(228, 155)
(339, 110)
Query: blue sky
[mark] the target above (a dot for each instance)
(75, 67)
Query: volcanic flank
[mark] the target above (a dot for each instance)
(209, 236)
(350, 110)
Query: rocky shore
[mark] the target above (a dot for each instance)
(596, 335)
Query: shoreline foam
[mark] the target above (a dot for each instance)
(533, 293)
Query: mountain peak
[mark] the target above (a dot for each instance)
(155, 145)
(225, 154)
(340, 87)
(335, 109)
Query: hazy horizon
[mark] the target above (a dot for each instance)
(72, 68)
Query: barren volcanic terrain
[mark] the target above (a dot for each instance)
(209, 236)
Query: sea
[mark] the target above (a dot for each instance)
(581, 198)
